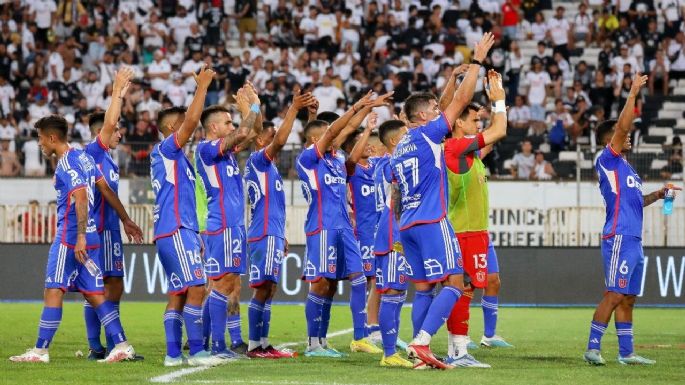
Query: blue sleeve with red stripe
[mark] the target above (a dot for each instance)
(310, 157)
(608, 158)
(437, 129)
(260, 160)
(169, 147)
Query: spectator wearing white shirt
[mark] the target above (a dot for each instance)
(107, 68)
(28, 41)
(542, 170)
(159, 72)
(558, 31)
(619, 61)
(154, 31)
(538, 30)
(38, 109)
(308, 26)
(180, 26)
(582, 25)
(659, 68)
(91, 89)
(345, 60)
(519, 115)
(673, 12)
(177, 92)
(191, 67)
(34, 164)
(676, 53)
(326, 23)
(43, 13)
(327, 95)
(523, 162)
(538, 83)
(149, 104)
(55, 65)
(6, 97)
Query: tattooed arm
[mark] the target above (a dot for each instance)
(81, 203)
(396, 201)
(238, 136)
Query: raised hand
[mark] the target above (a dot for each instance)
(242, 101)
(122, 80)
(364, 101)
(459, 70)
(204, 78)
(251, 93)
(371, 121)
(301, 101)
(638, 82)
(482, 48)
(383, 100)
(496, 90)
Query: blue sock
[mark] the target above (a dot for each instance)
(192, 318)
(233, 325)
(173, 329)
(266, 319)
(206, 325)
(49, 322)
(325, 317)
(597, 330)
(624, 331)
(312, 312)
(255, 320)
(373, 329)
(93, 327)
(358, 306)
(440, 309)
(387, 319)
(398, 313)
(109, 317)
(217, 307)
(108, 338)
(489, 304)
(422, 301)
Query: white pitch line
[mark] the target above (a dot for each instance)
(267, 382)
(175, 375)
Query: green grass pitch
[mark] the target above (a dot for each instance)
(549, 346)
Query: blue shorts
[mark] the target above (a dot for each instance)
(180, 256)
(391, 272)
(432, 251)
(266, 256)
(332, 254)
(368, 260)
(64, 272)
(493, 264)
(111, 253)
(226, 253)
(623, 264)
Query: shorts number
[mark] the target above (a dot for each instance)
(367, 251)
(117, 249)
(237, 246)
(331, 252)
(480, 261)
(194, 257)
(623, 269)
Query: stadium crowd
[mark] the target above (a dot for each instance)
(61, 56)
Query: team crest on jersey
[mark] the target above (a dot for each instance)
(275, 271)
(198, 273)
(480, 276)
(460, 263)
(236, 261)
(403, 278)
(367, 266)
(622, 283)
(331, 268)
(118, 265)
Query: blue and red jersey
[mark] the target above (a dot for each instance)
(106, 218)
(267, 199)
(388, 230)
(173, 182)
(621, 189)
(224, 186)
(362, 191)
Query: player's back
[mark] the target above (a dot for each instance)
(324, 186)
(106, 217)
(419, 165)
(387, 230)
(362, 190)
(75, 170)
(173, 182)
(621, 189)
(267, 199)
(224, 186)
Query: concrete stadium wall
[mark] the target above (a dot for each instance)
(530, 276)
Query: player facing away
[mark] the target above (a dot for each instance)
(431, 249)
(105, 129)
(226, 254)
(621, 188)
(176, 230)
(391, 265)
(74, 259)
(266, 235)
(468, 214)
(361, 163)
(332, 251)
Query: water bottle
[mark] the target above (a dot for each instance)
(668, 200)
(92, 268)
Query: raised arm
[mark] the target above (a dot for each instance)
(337, 127)
(465, 91)
(281, 137)
(122, 81)
(192, 119)
(359, 117)
(363, 140)
(250, 111)
(451, 86)
(132, 230)
(498, 124)
(253, 96)
(625, 120)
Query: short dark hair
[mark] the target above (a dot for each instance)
(605, 128)
(473, 106)
(268, 124)
(328, 117)
(388, 128)
(417, 101)
(167, 112)
(55, 123)
(96, 120)
(209, 111)
(312, 125)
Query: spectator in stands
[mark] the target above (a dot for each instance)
(675, 159)
(582, 26)
(673, 12)
(558, 31)
(523, 162)
(659, 68)
(539, 83)
(676, 54)
(509, 20)
(246, 14)
(140, 143)
(538, 29)
(519, 114)
(607, 25)
(34, 164)
(9, 163)
(623, 58)
(513, 69)
(32, 223)
(583, 74)
(42, 12)
(542, 170)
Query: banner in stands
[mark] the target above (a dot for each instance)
(530, 276)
